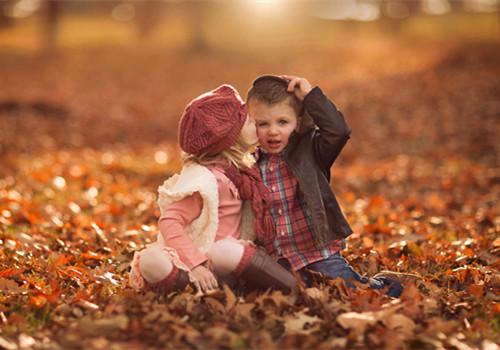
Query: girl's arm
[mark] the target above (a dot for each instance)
(172, 228)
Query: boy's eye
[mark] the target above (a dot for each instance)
(283, 122)
(261, 124)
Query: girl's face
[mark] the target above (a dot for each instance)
(248, 131)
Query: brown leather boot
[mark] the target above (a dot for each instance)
(264, 272)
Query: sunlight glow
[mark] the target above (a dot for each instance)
(266, 6)
(348, 9)
(123, 12)
(59, 182)
(482, 5)
(25, 8)
(436, 7)
(161, 157)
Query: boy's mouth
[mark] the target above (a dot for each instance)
(273, 144)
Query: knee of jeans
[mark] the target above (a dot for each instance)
(225, 255)
(336, 266)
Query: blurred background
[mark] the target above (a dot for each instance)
(414, 78)
(91, 93)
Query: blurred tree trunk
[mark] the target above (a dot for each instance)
(394, 12)
(196, 14)
(498, 20)
(5, 20)
(456, 5)
(50, 24)
(149, 14)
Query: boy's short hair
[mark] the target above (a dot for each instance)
(272, 89)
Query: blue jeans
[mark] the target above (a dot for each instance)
(336, 266)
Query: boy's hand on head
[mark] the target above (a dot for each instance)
(300, 86)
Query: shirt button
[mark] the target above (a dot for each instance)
(271, 168)
(282, 233)
(280, 211)
(273, 188)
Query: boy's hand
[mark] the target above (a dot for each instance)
(300, 86)
(204, 279)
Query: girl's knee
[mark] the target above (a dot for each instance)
(225, 255)
(154, 265)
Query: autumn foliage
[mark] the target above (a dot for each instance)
(86, 138)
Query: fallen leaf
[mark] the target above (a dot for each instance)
(231, 299)
(296, 323)
(103, 326)
(400, 323)
(356, 321)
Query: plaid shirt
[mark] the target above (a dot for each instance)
(292, 218)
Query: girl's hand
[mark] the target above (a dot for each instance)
(204, 279)
(300, 86)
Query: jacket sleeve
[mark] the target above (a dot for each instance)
(172, 227)
(333, 130)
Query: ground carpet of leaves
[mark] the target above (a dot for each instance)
(86, 138)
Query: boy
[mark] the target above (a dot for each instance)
(301, 133)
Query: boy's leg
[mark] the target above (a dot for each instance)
(233, 258)
(337, 266)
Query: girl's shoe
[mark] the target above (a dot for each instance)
(263, 272)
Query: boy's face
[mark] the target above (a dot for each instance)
(274, 123)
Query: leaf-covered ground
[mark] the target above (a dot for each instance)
(87, 136)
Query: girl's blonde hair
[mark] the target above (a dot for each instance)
(238, 154)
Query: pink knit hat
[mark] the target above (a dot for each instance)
(212, 122)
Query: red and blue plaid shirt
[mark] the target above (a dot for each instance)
(292, 218)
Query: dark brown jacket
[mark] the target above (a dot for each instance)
(310, 154)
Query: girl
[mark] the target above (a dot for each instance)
(202, 207)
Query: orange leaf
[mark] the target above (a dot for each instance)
(367, 242)
(63, 259)
(93, 255)
(38, 300)
(376, 201)
(350, 197)
(476, 289)
(469, 252)
(81, 295)
(495, 308)
(11, 271)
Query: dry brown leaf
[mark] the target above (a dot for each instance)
(9, 286)
(400, 323)
(215, 305)
(103, 326)
(295, 323)
(7, 345)
(231, 299)
(357, 321)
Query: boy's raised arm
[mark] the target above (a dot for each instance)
(333, 129)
